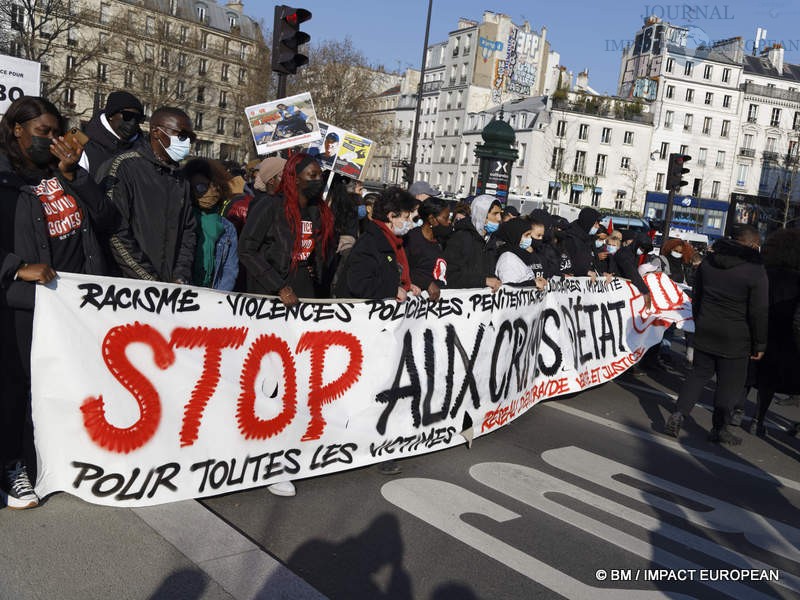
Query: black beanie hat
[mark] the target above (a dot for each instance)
(587, 218)
(118, 101)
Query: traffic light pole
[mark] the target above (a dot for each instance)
(668, 217)
(281, 93)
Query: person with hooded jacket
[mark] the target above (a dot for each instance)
(113, 130)
(625, 261)
(156, 236)
(730, 308)
(578, 242)
(470, 251)
(518, 263)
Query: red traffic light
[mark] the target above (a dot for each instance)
(299, 15)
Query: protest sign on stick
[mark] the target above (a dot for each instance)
(283, 123)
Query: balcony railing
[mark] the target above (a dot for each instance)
(748, 152)
(770, 92)
(770, 156)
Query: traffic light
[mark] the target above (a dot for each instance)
(287, 38)
(676, 170)
(408, 172)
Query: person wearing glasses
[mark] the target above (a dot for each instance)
(113, 130)
(156, 235)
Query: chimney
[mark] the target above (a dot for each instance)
(235, 5)
(582, 81)
(775, 55)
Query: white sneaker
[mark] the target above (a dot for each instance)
(283, 488)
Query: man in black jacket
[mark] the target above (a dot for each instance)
(155, 239)
(730, 308)
(112, 131)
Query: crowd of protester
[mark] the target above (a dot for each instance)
(127, 204)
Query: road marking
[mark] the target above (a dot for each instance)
(677, 446)
(531, 486)
(244, 570)
(441, 505)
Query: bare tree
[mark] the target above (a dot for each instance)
(634, 177)
(41, 30)
(343, 85)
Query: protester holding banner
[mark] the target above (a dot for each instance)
(730, 307)
(50, 212)
(424, 245)
(287, 244)
(518, 262)
(216, 262)
(469, 252)
(579, 242)
(625, 262)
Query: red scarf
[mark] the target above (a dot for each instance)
(396, 243)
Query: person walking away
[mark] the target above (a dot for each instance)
(730, 309)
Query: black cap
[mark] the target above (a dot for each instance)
(118, 101)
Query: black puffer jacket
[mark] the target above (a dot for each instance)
(103, 145)
(156, 236)
(579, 243)
(372, 269)
(470, 260)
(23, 229)
(730, 302)
(266, 244)
(778, 369)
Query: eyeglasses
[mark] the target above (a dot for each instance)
(182, 135)
(131, 115)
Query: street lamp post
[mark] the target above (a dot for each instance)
(418, 111)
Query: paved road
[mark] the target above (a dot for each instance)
(571, 500)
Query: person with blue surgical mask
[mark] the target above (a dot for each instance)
(156, 235)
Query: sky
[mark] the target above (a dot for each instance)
(588, 35)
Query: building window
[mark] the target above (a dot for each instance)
(128, 78)
(701, 157)
(201, 94)
(659, 181)
(600, 166)
(243, 52)
(69, 96)
(237, 128)
(715, 185)
(709, 98)
(668, 118)
(748, 140)
(557, 161)
(204, 41)
(605, 135)
(707, 125)
(687, 68)
(223, 99)
(552, 190)
(770, 147)
(575, 196)
(105, 13)
(726, 75)
(99, 100)
(752, 113)
(720, 159)
(561, 129)
(150, 25)
(221, 125)
(198, 121)
(741, 175)
(180, 89)
(775, 119)
(726, 129)
(664, 151)
(163, 84)
(184, 34)
(70, 63)
(684, 149)
(670, 65)
(147, 82)
(579, 166)
(687, 121)
(697, 187)
(242, 76)
(102, 72)
(202, 66)
(225, 69)
(233, 20)
(670, 91)
(726, 101)
(625, 163)
(796, 121)
(583, 132)
(628, 138)
(202, 13)
(707, 70)
(181, 61)
(164, 57)
(690, 95)
(149, 53)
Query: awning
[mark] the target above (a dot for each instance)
(555, 184)
(577, 187)
(598, 190)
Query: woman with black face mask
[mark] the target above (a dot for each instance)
(287, 243)
(50, 211)
(424, 247)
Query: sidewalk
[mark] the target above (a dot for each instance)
(68, 549)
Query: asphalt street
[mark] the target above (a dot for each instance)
(581, 497)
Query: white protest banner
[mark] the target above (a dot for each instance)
(18, 78)
(145, 393)
(283, 123)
